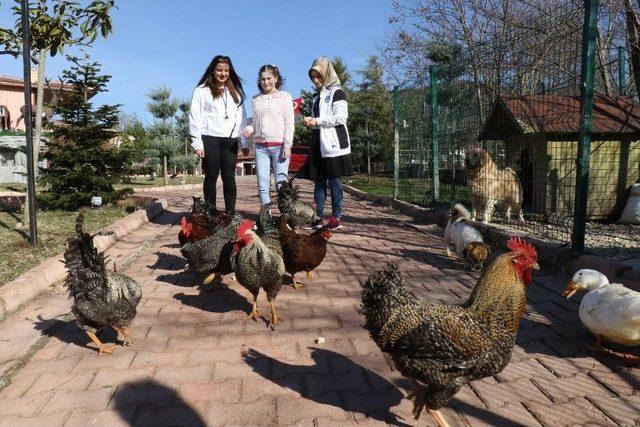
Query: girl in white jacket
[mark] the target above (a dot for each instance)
(216, 118)
(330, 145)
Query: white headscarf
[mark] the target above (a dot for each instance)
(324, 66)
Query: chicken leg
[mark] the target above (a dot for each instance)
(309, 275)
(212, 278)
(418, 404)
(125, 335)
(274, 316)
(255, 314)
(102, 348)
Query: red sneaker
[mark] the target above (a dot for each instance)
(334, 223)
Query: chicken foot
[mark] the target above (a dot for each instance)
(418, 404)
(126, 341)
(297, 285)
(102, 348)
(255, 314)
(274, 316)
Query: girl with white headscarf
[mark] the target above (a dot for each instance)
(330, 157)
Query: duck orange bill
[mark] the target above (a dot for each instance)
(571, 289)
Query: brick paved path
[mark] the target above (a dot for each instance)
(195, 360)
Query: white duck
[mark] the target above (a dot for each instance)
(608, 310)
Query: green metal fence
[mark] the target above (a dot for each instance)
(523, 108)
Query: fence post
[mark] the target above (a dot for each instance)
(586, 116)
(435, 132)
(396, 144)
(622, 70)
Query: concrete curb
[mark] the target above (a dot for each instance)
(551, 257)
(37, 280)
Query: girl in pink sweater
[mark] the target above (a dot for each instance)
(273, 130)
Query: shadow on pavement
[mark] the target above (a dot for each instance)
(167, 261)
(374, 408)
(67, 331)
(150, 403)
(220, 299)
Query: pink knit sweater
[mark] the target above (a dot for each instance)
(273, 118)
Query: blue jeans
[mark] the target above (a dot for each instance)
(268, 159)
(320, 195)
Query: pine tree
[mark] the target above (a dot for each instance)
(164, 139)
(370, 116)
(82, 161)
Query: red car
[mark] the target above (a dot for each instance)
(299, 154)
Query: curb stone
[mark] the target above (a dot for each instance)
(552, 257)
(23, 289)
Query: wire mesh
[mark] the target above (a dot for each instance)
(508, 117)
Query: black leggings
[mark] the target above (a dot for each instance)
(220, 157)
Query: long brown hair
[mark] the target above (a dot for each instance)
(233, 83)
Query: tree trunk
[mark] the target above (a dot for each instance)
(368, 153)
(37, 131)
(601, 53)
(165, 169)
(632, 40)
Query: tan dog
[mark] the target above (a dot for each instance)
(470, 247)
(490, 186)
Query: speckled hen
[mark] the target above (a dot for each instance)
(100, 298)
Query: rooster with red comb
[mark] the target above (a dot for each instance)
(257, 266)
(442, 347)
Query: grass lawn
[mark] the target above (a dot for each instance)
(54, 227)
(412, 190)
(381, 185)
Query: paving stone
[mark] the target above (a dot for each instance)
(50, 381)
(500, 394)
(96, 399)
(26, 406)
(623, 410)
(19, 386)
(262, 412)
(292, 410)
(107, 377)
(177, 358)
(82, 418)
(184, 374)
(228, 391)
(625, 382)
(576, 412)
(564, 389)
(56, 419)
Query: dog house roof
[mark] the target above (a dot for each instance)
(559, 114)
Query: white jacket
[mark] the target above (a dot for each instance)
(207, 117)
(332, 122)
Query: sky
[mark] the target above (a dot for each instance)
(171, 42)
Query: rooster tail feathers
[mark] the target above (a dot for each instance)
(383, 290)
(460, 212)
(84, 263)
